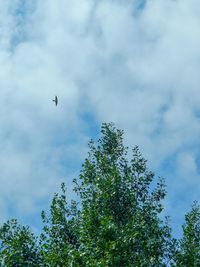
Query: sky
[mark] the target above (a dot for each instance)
(135, 63)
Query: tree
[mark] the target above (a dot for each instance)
(119, 221)
(58, 239)
(115, 222)
(189, 246)
(18, 246)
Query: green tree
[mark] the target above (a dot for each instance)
(119, 222)
(189, 246)
(59, 239)
(18, 246)
(115, 223)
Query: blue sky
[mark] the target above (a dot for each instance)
(135, 63)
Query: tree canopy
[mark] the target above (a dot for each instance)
(115, 222)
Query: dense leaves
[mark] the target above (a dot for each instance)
(119, 213)
(59, 236)
(189, 247)
(18, 246)
(116, 222)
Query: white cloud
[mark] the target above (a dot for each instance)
(137, 68)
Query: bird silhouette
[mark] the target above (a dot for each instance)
(55, 100)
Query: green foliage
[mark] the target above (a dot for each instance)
(119, 217)
(59, 233)
(116, 222)
(18, 246)
(189, 246)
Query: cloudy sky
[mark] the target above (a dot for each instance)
(135, 63)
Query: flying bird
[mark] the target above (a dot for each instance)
(55, 100)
